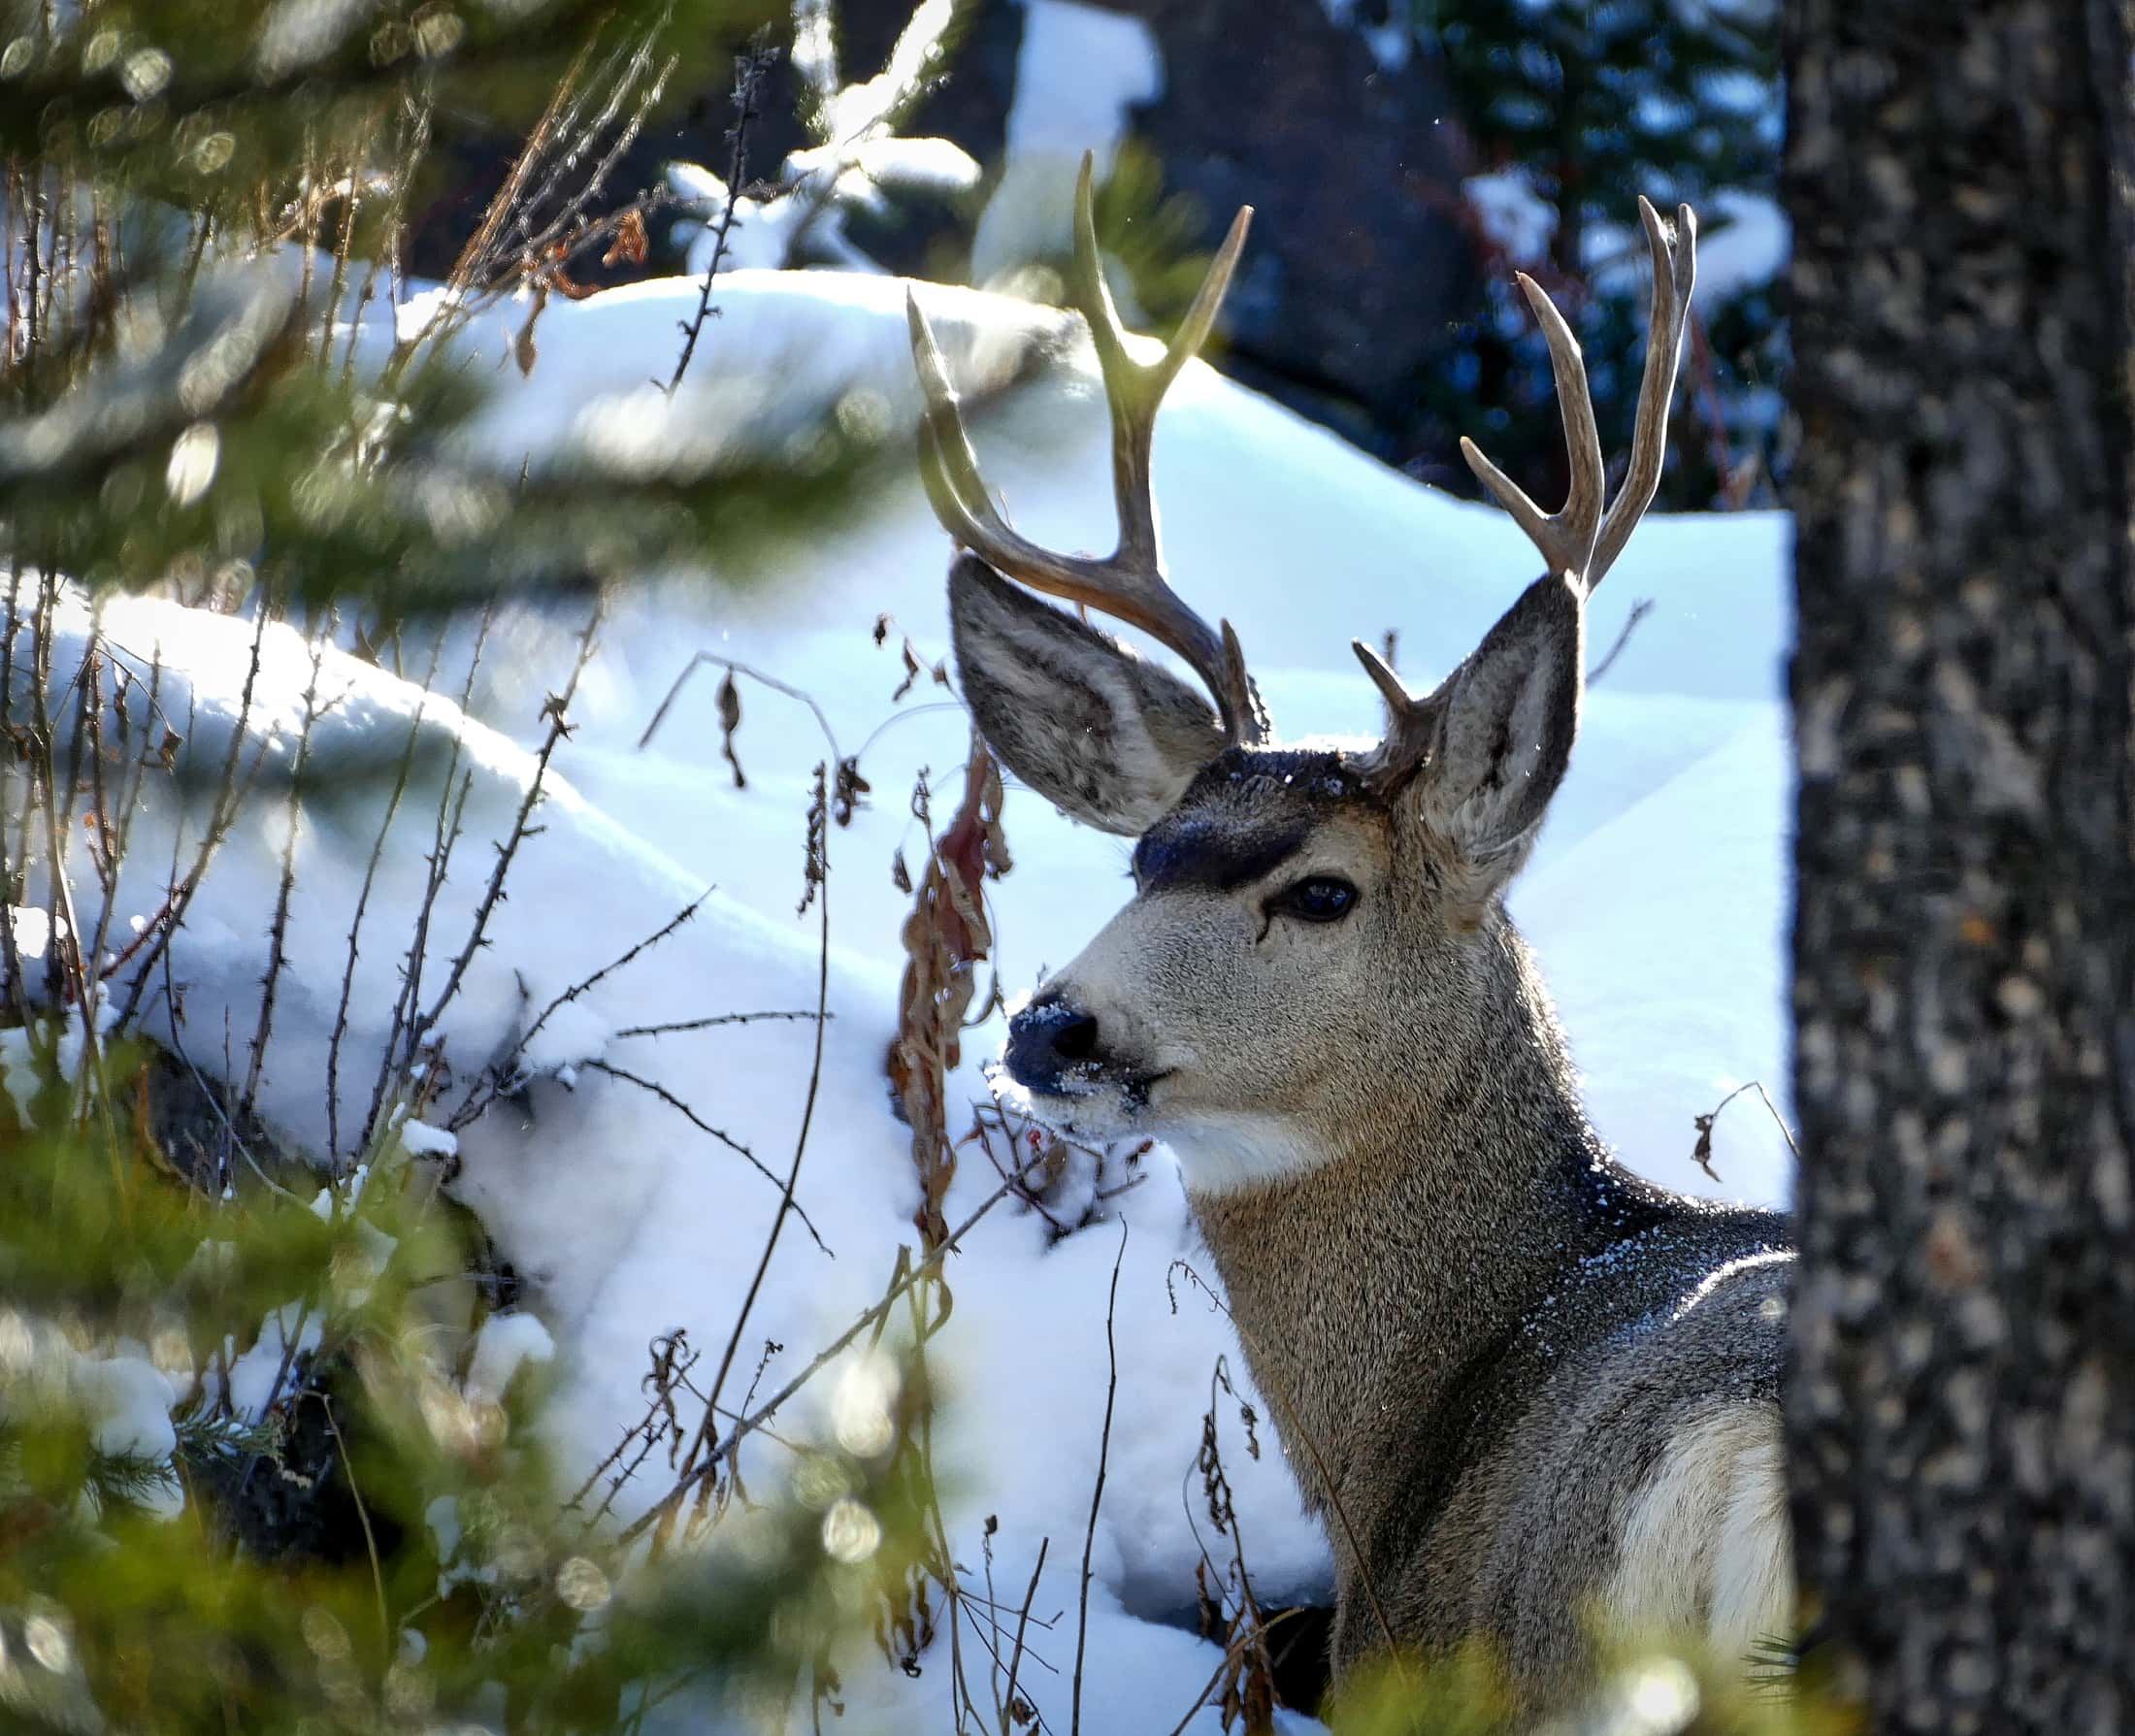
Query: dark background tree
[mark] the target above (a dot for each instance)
(1962, 1422)
(1375, 299)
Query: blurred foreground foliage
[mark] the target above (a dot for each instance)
(444, 1578)
(260, 1465)
(216, 375)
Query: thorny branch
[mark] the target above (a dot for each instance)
(444, 837)
(277, 933)
(819, 888)
(702, 1464)
(555, 710)
(230, 791)
(508, 1073)
(400, 776)
(675, 1025)
(667, 1097)
(749, 70)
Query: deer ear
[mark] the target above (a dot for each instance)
(1093, 728)
(1504, 738)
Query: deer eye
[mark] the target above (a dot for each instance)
(1322, 898)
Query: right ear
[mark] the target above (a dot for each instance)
(1095, 730)
(1504, 738)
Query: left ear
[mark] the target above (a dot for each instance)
(1504, 738)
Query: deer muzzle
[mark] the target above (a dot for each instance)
(1053, 1047)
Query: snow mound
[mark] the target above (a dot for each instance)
(1655, 898)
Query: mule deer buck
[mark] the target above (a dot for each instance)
(1527, 1391)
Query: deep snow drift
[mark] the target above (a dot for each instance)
(1654, 899)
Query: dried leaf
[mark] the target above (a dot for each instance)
(557, 278)
(816, 866)
(628, 243)
(943, 937)
(912, 667)
(852, 791)
(1701, 1154)
(523, 351)
(730, 720)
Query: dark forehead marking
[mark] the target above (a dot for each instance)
(1194, 849)
(1248, 811)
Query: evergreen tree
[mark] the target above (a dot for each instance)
(1573, 108)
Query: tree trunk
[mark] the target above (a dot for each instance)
(1961, 1407)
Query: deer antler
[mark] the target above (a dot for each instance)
(1128, 584)
(1674, 272)
(1577, 539)
(1565, 537)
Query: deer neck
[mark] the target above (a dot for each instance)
(1434, 1218)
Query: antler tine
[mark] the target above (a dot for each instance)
(1409, 723)
(1567, 538)
(949, 469)
(1132, 393)
(1129, 583)
(1674, 272)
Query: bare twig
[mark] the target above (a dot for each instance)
(229, 792)
(707, 1429)
(452, 819)
(1639, 612)
(278, 930)
(667, 1097)
(611, 967)
(119, 836)
(1023, 1621)
(556, 709)
(1224, 1668)
(510, 1073)
(697, 661)
(675, 1026)
(1701, 1154)
(749, 69)
(370, 1538)
(363, 897)
(699, 1468)
(444, 837)
(1096, 1495)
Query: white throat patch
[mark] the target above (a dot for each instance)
(1229, 1153)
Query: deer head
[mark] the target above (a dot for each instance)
(1315, 930)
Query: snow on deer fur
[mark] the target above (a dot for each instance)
(1654, 899)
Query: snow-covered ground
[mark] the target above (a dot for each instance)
(1656, 901)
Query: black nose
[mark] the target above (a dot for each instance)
(1049, 1039)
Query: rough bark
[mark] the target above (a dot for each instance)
(1961, 1406)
